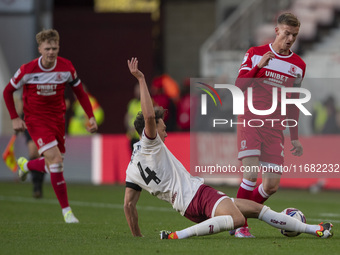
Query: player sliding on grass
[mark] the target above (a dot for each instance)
(154, 168)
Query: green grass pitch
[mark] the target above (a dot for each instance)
(31, 226)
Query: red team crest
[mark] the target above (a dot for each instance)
(58, 77)
(292, 70)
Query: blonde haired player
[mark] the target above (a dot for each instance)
(44, 80)
(266, 67)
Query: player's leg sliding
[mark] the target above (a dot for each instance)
(325, 230)
(245, 191)
(275, 219)
(283, 221)
(208, 227)
(60, 189)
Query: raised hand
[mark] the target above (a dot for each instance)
(133, 66)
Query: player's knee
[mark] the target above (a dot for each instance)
(239, 220)
(56, 168)
(53, 158)
(270, 190)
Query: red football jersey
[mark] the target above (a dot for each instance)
(280, 72)
(43, 89)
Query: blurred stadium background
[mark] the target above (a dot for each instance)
(180, 38)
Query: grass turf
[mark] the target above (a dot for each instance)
(31, 226)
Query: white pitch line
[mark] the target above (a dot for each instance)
(322, 220)
(336, 215)
(83, 204)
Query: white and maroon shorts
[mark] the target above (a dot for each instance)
(204, 204)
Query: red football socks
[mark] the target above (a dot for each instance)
(59, 186)
(37, 165)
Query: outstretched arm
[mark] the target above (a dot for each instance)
(130, 201)
(145, 98)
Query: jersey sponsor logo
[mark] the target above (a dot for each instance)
(276, 76)
(47, 89)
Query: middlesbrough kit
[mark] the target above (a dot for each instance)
(267, 141)
(43, 99)
(154, 168)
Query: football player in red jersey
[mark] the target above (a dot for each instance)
(44, 80)
(264, 69)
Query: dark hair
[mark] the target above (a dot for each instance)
(288, 19)
(140, 122)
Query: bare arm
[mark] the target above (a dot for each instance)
(145, 98)
(130, 201)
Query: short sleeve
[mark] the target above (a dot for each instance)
(133, 186)
(247, 61)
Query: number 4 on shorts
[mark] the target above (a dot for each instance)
(151, 175)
